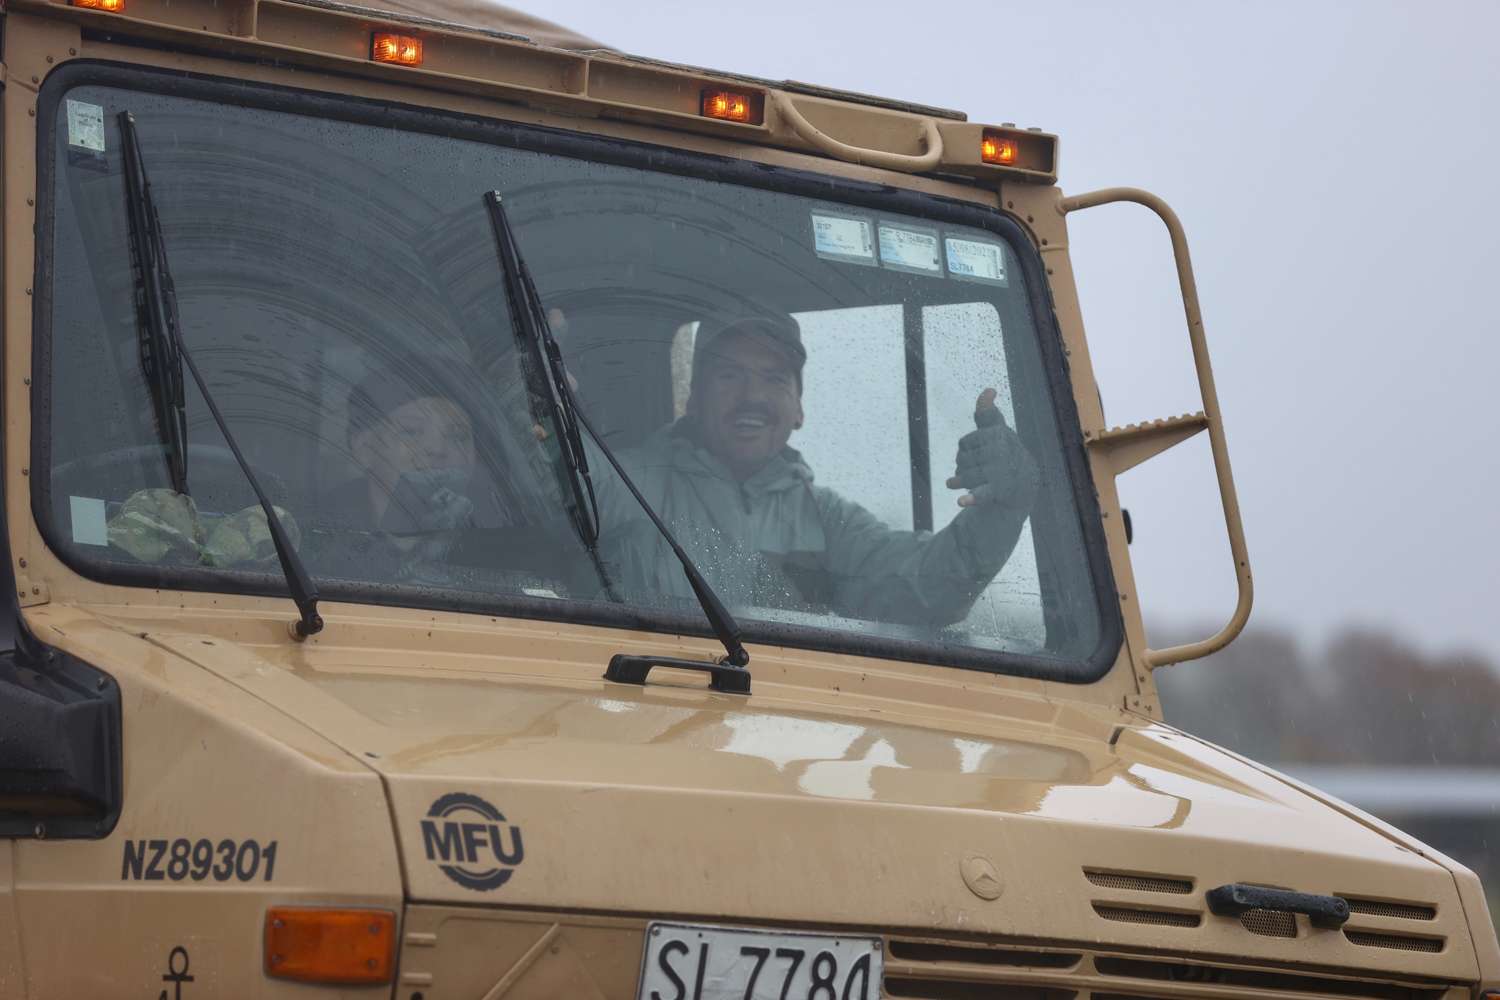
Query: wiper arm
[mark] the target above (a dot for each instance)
(531, 323)
(156, 314)
(547, 380)
(163, 354)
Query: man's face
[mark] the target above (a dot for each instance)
(422, 435)
(746, 403)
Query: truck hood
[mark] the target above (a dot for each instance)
(528, 781)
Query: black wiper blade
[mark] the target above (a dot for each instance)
(546, 378)
(157, 315)
(531, 321)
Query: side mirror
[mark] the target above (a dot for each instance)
(60, 752)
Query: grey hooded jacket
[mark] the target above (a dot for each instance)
(778, 540)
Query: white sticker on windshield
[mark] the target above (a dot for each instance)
(907, 249)
(88, 521)
(976, 261)
(85, 126)
(843, 238)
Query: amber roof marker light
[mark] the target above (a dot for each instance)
(398, 50)
(113, 6)
(733, 106)
(997, 148)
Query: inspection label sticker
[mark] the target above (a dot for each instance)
(843, 237)
(908, 249)
(89, 525)
(85, 125)
(976, 261)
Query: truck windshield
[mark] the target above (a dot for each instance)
(841, 399)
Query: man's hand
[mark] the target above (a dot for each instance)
(992, 463)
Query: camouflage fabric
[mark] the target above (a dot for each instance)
(161, 526)
(244, 539)
(158, 525)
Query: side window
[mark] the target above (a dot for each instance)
(965, 355)
(859, 415)
(854, 407)
(684, 340)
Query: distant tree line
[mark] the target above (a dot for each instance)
(1366, 697)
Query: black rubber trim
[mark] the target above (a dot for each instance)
(659, 159)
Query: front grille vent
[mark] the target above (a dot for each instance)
(927, 951)
(1140, 883)
(1254, 982)
(940, 989)
(1141, 915)
(1400, 911)
(928, 969)
(1269, 923)
(1400, 942)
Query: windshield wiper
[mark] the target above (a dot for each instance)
(156, 315)
(163, 354)
(546, 379)
(530, 318)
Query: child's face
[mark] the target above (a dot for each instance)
(421, 435)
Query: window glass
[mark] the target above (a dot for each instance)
(859, 408)
(791, 382)
(964, 352)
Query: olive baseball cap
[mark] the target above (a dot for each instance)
(780, 329)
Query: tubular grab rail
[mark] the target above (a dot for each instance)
(1155, 437)
(932, 141)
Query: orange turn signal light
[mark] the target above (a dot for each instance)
(113, 6)
(347, 947)
(389, 47)
(996, 148)
(729, 106)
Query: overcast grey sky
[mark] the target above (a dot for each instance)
(1334, 164)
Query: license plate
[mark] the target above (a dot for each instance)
(698, 962)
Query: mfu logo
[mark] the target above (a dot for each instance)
(467, 837)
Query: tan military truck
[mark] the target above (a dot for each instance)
(491, 516)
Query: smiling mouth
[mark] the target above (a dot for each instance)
(747, 422)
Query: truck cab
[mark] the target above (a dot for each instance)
(491, 516)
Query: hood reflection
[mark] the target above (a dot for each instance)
(625, 737)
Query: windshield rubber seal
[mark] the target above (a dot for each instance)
(592, 148)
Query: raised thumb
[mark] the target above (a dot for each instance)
(986, 413)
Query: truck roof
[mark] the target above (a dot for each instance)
(501, 21)
(472, 15)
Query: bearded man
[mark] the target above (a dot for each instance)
(743, 503)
